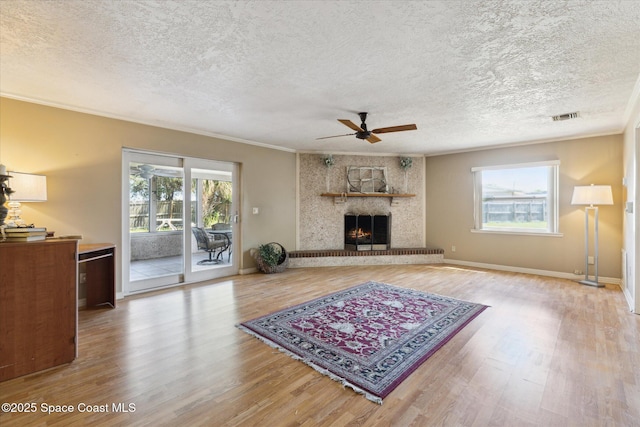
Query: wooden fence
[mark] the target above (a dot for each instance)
(514, 209)
(168, 215)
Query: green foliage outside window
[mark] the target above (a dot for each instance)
(166, 195)
(216, 202)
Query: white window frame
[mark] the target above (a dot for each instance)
(552, 200)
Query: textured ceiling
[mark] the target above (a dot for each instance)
(468, 74)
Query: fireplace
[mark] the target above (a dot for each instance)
(367, 232)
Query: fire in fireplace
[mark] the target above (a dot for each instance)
(367, 232)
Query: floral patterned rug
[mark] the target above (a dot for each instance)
(369, 337)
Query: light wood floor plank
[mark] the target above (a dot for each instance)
(548, 352)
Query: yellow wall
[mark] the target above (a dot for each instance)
(81, 155)
(449, 198)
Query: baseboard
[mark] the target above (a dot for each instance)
(629, 299)
(82, 302)
(248, 271)
(548, 273)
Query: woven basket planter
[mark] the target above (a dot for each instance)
(282, 264)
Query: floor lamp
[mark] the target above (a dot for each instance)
(591, 195)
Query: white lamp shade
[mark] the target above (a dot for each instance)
(27, 187)
(592, 195)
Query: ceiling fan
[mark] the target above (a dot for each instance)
(148, 171)
(363, 133)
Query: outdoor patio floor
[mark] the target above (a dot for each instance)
(149, 268)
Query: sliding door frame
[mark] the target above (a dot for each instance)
(192, 275)
(187, 164)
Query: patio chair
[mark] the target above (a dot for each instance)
(222, 231)
(209, 244)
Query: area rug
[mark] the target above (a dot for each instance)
(369, 337)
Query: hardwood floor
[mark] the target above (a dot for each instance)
(548, 352)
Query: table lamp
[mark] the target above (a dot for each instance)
(591, 195)
(25, 187)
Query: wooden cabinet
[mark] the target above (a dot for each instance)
(38, 306)
(99, 267)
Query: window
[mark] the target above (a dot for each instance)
(211, 198)
(520, 198)
(155, 198)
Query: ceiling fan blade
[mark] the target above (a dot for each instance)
(395, 128)
(373, 139)
(351, 125)
(336, 136)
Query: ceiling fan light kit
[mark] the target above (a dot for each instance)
(361, 132)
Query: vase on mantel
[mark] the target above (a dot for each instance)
(328, 162)
(405, 182)
(405, 164)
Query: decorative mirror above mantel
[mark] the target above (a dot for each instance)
(367, 179)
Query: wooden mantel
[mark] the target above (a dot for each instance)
(392, 195)
(342, 197)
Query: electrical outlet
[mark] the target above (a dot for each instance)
(453, 248)
(590, 260)
(256, 211)
(577, 272)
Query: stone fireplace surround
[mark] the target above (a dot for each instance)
(321, 219)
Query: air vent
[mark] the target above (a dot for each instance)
(567, 116)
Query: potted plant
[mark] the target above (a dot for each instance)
(271, 257)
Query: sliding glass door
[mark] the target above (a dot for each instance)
(179, 220)
(213, 221)
(154, 222)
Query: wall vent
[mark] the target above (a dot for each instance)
(567, 116)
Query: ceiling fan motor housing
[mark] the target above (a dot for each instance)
(365, 133)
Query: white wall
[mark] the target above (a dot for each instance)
(631, 221)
